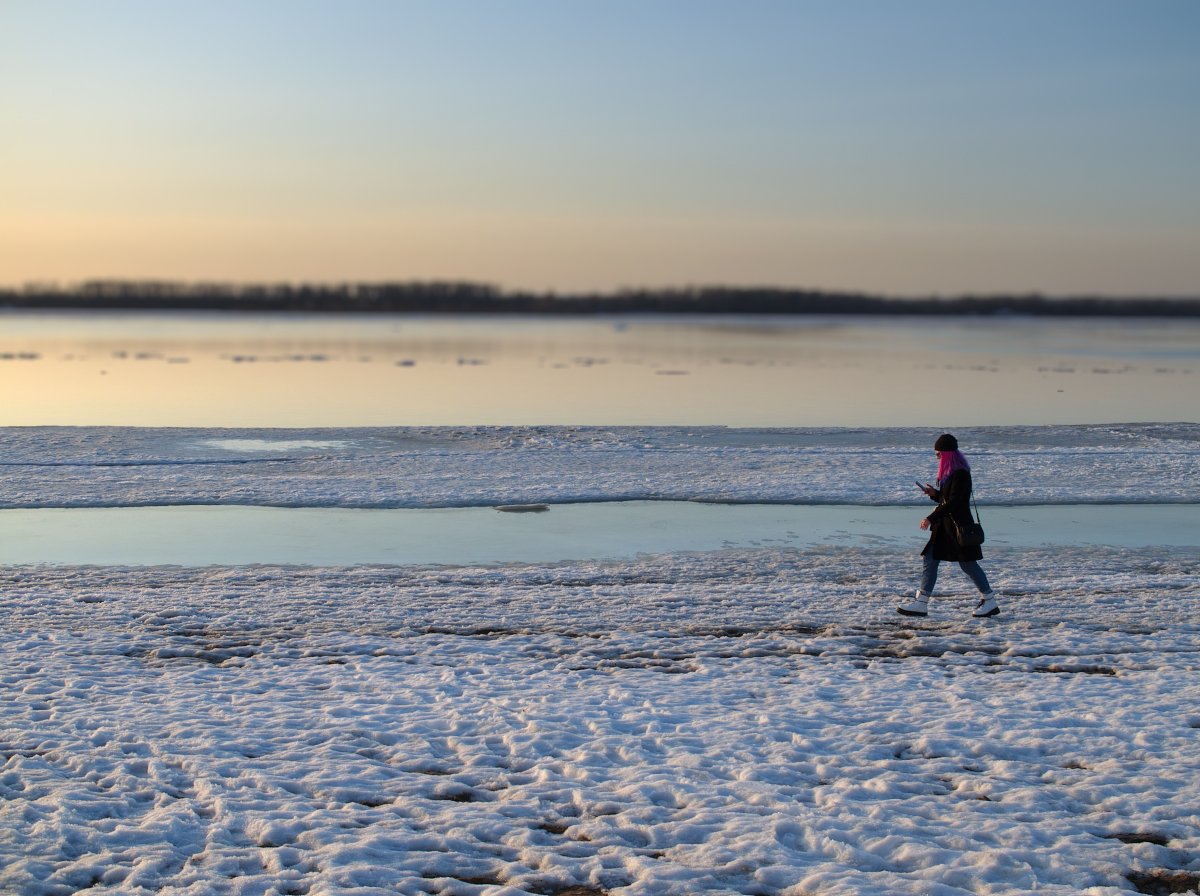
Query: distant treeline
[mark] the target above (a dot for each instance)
(475, 298)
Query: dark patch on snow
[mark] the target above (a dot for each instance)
(492, 880)
(429, 770)
(478, 880)
(214, 654)
(1140, 837)
(665, 665)
(459, 795)
(1075, 669)
(1164, 881)
(7, 753)
(484, 632)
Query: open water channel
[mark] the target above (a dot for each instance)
(232, 535)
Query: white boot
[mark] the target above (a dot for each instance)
(918, 606)
(987, 606)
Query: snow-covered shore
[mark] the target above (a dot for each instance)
(483, 466)
(750, 721)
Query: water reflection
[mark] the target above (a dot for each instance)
(227, 370)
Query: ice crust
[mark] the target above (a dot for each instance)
(484, 466)
(737, 722)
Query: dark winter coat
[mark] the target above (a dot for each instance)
(953, 503)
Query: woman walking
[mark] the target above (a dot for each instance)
(953, 495)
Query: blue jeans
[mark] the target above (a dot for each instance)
(971, 567)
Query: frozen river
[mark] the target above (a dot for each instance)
(319, 660)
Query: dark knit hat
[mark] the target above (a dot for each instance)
(945, 442)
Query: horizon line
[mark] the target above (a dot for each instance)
(234, 286)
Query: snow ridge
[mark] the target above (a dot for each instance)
(485, 466)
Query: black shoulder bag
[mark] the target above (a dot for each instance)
(969, 535)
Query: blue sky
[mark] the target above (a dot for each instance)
(899, 147)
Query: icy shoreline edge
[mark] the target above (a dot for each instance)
(399, 467)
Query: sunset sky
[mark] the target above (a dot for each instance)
(915, 147)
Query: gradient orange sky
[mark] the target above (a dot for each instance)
(902, 148)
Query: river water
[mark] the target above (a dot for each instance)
(233, 535)
(224, 370)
